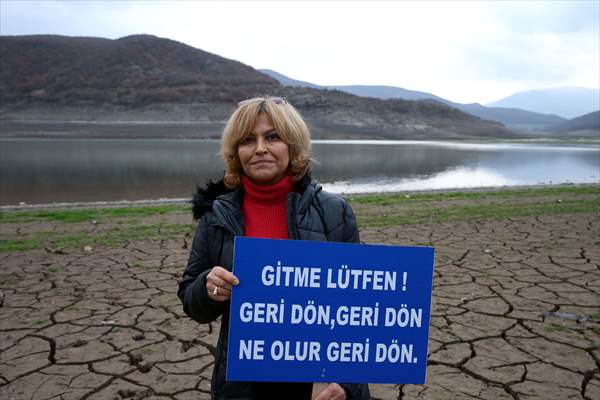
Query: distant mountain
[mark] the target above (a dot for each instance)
(386, 92)
(512, 117)
(146, 78)
(588, 124)
(567, 102)
(284, 80)
(377, 91)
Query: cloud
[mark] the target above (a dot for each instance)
(55, 17)
(536, 57)
(558, 17)
(535, 45)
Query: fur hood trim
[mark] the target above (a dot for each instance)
(205, 195)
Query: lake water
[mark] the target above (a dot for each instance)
(75, 170)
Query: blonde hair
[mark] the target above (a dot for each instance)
(287, 122)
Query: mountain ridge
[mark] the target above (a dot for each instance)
(584, 124)
(567, 102)
(512, 117)
(71, 78)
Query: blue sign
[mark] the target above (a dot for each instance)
(329, 312)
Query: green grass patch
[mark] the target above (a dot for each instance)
(596, 317)
(116, 236)
(427, 214)
(398, 198)
(148, 350)
(142, 266)
(125, 223)
(21, 244)
(555, 328)
(71, 240)
(90, 214)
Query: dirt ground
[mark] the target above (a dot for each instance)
(516, 315)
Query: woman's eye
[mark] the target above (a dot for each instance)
(247, 140)
(272, 137)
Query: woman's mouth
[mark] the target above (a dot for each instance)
(262, 162)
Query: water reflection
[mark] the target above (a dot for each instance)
(57, 170)
(343, 161)
(454, 178)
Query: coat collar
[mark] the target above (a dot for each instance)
(227, 203)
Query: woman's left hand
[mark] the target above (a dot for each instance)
(333, 391)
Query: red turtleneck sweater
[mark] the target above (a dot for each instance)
(264, 208)
(265, 216)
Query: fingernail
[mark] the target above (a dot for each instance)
(236, 282)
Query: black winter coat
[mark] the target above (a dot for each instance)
(312, 215)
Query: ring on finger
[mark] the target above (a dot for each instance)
(215, 290)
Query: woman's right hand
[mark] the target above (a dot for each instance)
(219, 282)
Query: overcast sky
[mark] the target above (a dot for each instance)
(474, 51)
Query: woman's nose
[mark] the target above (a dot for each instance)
(261, 145)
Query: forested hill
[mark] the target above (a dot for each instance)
(83, 78)
(134, 70)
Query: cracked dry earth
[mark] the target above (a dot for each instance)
(515, 316)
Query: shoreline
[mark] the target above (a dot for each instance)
(187, 126)
(186, 201)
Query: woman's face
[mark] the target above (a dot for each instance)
(264, 156)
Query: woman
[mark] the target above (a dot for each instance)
(266, 192)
